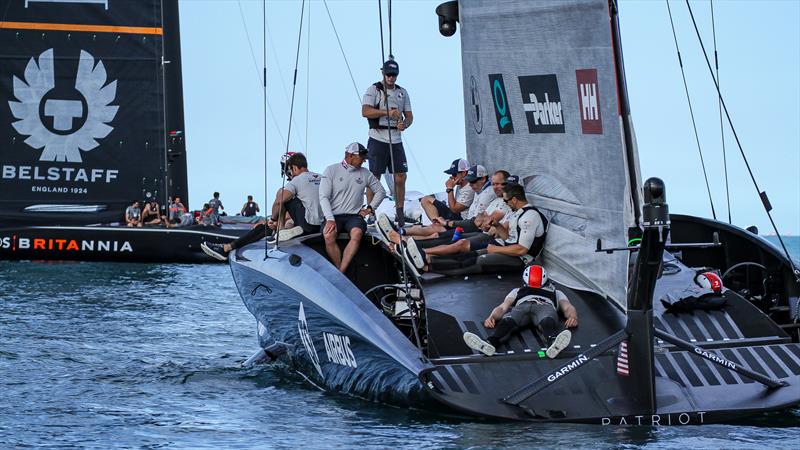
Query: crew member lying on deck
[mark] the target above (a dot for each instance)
(516, 242)
(535, 303)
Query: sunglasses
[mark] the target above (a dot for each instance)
(391, 75)
(506, 200)
(499, 184)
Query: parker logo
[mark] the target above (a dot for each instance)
(589, 101)
(475, 103)
(502, 111)
(63, 121)
(542, 103)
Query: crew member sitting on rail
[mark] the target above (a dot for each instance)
(459, 195)
(520, 238)
(176, 211)
(427, 237)
(442, 230)
(535, 303)
(151, 214)
(133, 215)
(300, 198)
(341, 195)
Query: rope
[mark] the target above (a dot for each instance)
(691, 111)
(339, 41)
(280, 76)
(264, 84)
(721, 128)
(291, 114)
(258, 70)
(761, 194)
(308, 72)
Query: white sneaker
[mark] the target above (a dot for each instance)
(474, 342)
(289, 233)
(215, 251)
(384, 226)
(399, 248)
(559, 343)
(414, 255)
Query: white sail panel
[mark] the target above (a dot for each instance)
(541, 101)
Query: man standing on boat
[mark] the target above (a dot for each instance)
(387, 108)
(215, 204)
(536, 303)
(341, 196)
(250, 208)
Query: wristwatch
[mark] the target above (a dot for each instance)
(449, 190)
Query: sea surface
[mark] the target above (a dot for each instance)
(104, 356)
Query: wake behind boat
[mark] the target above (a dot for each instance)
(648, 350)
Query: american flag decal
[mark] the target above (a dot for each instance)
(622, 359)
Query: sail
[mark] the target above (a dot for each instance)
(86, 122)
(541, 101)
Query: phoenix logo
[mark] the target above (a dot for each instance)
(63, 124)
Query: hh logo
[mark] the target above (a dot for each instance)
(62, 119)
(542, 103)
(502, 110)
(589, 101)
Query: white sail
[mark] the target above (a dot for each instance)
(541, 101)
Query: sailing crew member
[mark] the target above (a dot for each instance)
(151, 214)
(386, 124)
(520, 239)
(300, 198)
(250, 208)
(341, 196)
(176, 211)
(536, 303)
(133, 215)
(459, 195)
(486, 208)
(215, 204)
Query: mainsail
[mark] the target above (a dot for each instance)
(541, 101)
(92, 115)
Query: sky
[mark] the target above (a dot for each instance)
(758, 47)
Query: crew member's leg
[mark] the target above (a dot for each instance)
(378, 157)
(331, 247)
(254, 235)
(297, 211)
(356, 227)
(518, 317)
(399, 170)
(428, 206)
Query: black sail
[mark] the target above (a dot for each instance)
(92, 114)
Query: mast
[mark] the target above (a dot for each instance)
(631, 156)
(175, 151)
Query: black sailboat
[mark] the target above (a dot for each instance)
(92, 119)
(552, 73)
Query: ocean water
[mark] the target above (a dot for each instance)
(104, 356)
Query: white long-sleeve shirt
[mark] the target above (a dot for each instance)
(341, 190)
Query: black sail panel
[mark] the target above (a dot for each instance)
(82, 127)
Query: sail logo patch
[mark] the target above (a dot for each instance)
(475, 105)
(502, 110)
(542, 103)
(338, 350)
(63, 120)
(305, 337)
(589, 101)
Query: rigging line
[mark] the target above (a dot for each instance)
(762, 195)
(721, 127)
(388, 117)
(341, 48)
(691, 111)
(280, 75)
(391, 55)
(291, 114)
(308, 72)
(264, 89)
(258, 71)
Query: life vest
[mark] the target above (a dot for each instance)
(538, 242)
(374, 124)
(547, 293)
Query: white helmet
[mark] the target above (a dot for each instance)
(534, 276)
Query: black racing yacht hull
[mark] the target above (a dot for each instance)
(332, 329)
(113, 243)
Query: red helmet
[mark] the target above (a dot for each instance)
(534, 276)
(709, 280)
(285, 168)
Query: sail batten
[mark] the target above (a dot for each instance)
(542, 102)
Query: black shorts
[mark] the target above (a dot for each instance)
(346, 222)
(468, 225)
(480, 241)
(444, 211)
(297, 211)
(379, 160)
